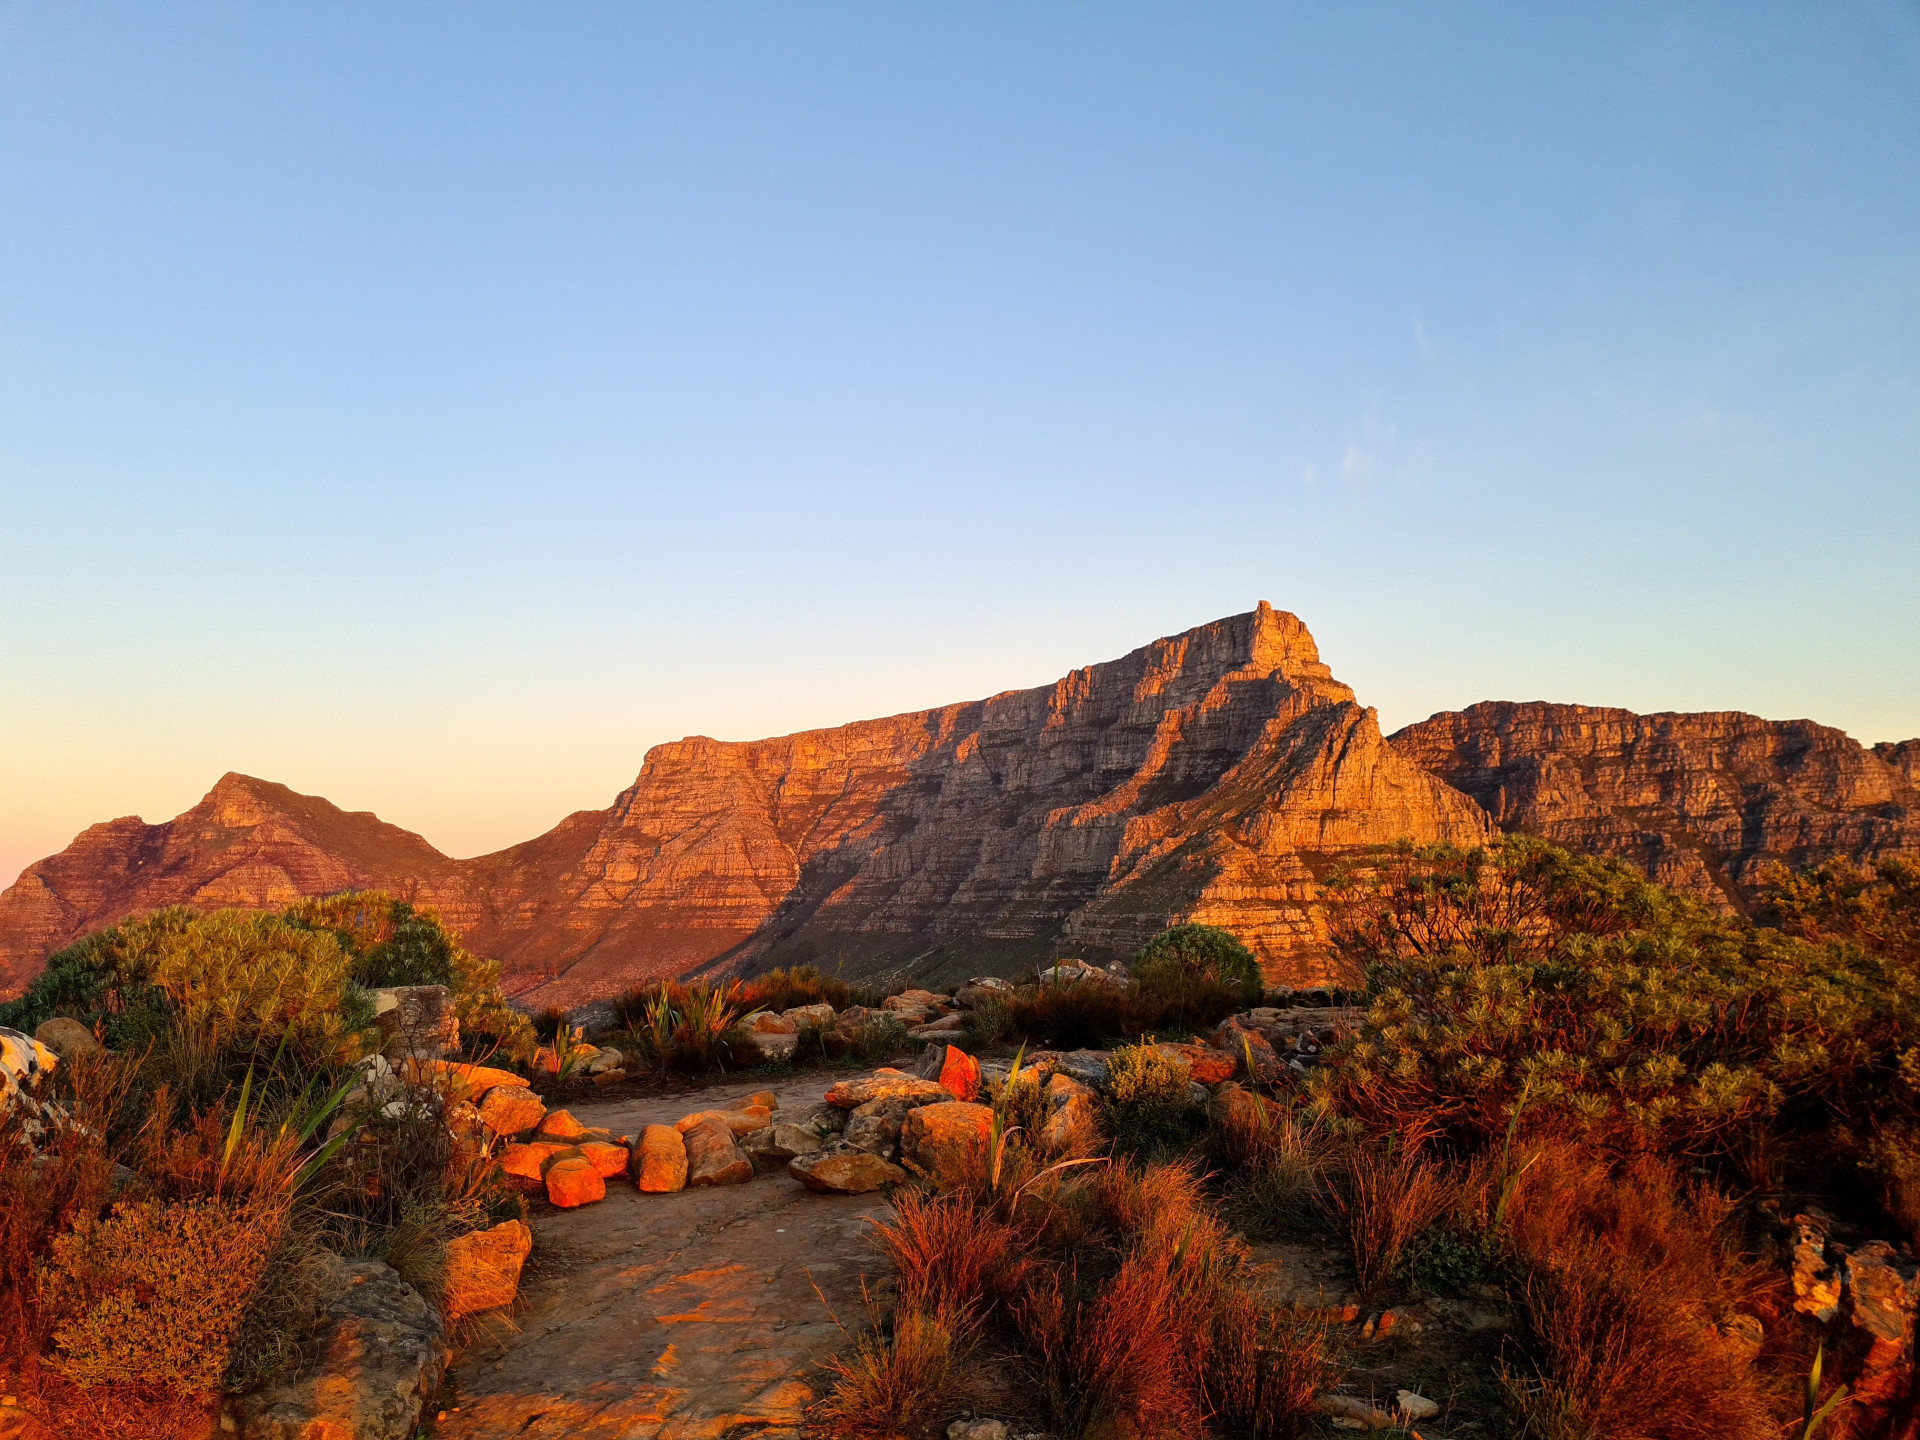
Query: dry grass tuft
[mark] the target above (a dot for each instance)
(1387, 1197)
(895, 1387)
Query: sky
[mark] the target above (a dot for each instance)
(433, 407)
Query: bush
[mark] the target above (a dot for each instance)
(1524, 986)
(1076, 1014)
(1388, 1197)
(1203, 952)
(153, 1295)
(392, 944)
(1149, 1109)
(683, 1029)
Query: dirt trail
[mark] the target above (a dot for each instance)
(691, 1316)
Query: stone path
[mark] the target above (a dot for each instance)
(691, 1316)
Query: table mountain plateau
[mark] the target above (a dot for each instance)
(1703, 803)
(1216, 775)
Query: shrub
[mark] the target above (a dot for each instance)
(779, 990)
(153, 1294)
(1202, 952)
(1149, 1108)
(988, 1023)
(1263, 1368)
(1520, 985)
(1278, 1162)
(683, 1029)
(1075, 1014)
(1878, 910)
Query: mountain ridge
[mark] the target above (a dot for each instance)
(1219, 774)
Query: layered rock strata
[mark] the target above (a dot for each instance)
(1703, 803)
(1214, 775)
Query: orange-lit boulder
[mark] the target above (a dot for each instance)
(510, 1110)
(1073, 1129)
(573, 1181)
(1204, 1064)
(740, 1122)
(761, 1100)
(713, 1156)
(609, 1159)
(561, 1125)
(960, 1074)
(528, 1163)
(882, 1084)
(841, 1169)
(660, 1161)
(946, 1143)
(483, 1269)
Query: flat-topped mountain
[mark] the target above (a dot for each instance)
(1703, 803)
(1214, 775)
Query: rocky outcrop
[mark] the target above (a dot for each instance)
(1702, 803)
(1214, 775)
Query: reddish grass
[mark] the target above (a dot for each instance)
(1389, 1196)
(945, 1249)
(897, 1387)
(1626, 1278)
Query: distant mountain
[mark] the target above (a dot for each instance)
(1703, 802)
(1215, 775)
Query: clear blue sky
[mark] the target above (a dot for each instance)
(433, 406)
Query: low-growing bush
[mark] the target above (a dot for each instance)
(684, 1029)
(153, 1294)
(1149, 1109)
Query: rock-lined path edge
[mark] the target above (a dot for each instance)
(695, 1315)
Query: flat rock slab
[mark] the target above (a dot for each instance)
(684, 1316)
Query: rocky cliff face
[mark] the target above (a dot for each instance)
(1214, 775)
(1702, 803)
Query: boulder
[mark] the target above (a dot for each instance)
(943, 1028)
(1204, 1064)
(607, 1059)
(769, 1046)
(1415, 1406)
(483, 1268)
(713, 1158)
(416, 1021)
(608, 1159)
(561, 1125)
(960, 1075)
(1073, 1129)
(761, 1100)
(660, 1161)
(977, 1430)
(778, 1143)
(1816, 1284)
(528, 1163)
(1089, 1067)
(883, 1082)
(741, 1122)
(68, 1038)
(981, 989)
(921, 999)
(573, 1180)
(379, 1353)
(1886, 1290)
(810, 1016)
(875, 1126)
(765, 1022)
(841, 1169)
(1240, 1041)
(946, 1143)
(825, 1120)
(511, 1110)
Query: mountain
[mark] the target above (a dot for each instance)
(1214, 775)
(1703, 802)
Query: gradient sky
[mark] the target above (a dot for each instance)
(432, 407)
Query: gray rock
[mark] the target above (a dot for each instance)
(1089, 1067)
(977, 1430)
(843, 1169)
(416, 1021)
(772, 1146)
(379, 1354)
(825, 1121)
